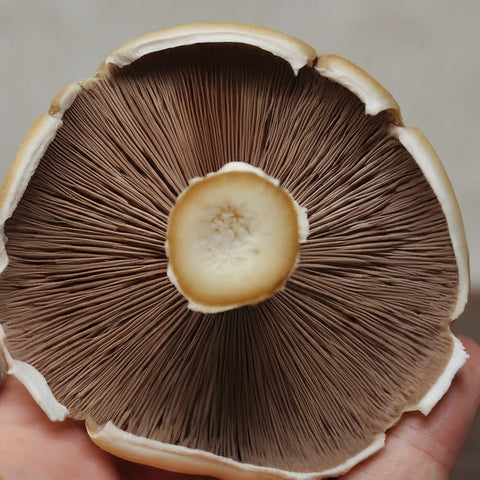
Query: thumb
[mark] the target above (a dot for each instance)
(426, 448)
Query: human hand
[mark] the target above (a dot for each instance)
(420, 448)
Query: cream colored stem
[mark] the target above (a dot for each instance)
(233, 238)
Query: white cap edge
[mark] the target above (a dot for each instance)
(28, 156)
(441, 386)
(34, 382)
(375, 97)
(292, 50)
(192, 461)
(417, 144)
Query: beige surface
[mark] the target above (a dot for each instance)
(426, 53)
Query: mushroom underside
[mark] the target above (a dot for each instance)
(302, 381)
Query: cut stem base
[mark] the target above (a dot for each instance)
(233, 239)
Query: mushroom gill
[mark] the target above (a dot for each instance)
(301, 381)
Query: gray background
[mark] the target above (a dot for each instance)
(427, 53)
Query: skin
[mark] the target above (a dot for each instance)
(424, 448)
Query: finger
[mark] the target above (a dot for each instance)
(427, 447)
(56, 450)
(30, 442)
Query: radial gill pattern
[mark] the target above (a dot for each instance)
(305, 379)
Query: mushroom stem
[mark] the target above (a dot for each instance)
(233, 238)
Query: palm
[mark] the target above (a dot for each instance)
(425, 448)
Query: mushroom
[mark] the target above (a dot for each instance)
(229, 257)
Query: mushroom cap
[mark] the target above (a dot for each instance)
(298, 55)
